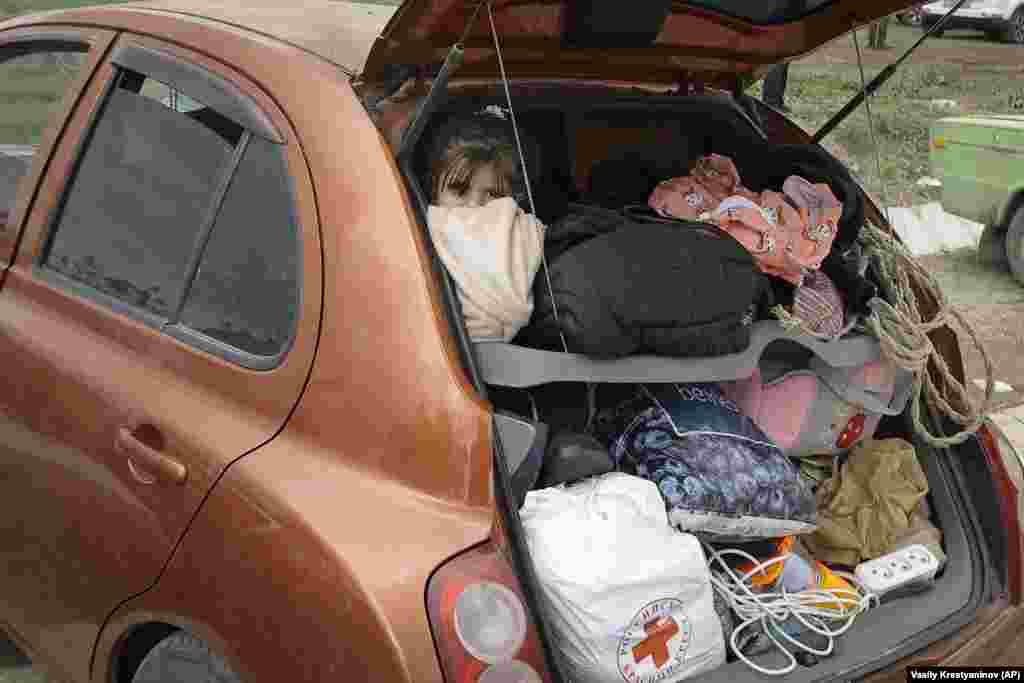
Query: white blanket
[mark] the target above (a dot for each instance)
(493, 253)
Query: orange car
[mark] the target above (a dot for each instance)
(243, 434)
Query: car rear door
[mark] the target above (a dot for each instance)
(159, 321)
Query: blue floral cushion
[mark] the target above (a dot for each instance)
(720, 475)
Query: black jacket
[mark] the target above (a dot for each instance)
(623, 287)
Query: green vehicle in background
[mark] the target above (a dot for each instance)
(980, 160)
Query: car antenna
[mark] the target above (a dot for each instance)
(526, 175)
(871, 126)
(438, 89)
(881, 78)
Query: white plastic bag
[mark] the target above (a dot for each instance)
(629, 597)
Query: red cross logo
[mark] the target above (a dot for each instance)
(655, 645)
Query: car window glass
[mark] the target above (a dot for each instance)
(31, 89)
(246, 293)
(173, 99)
(765, 12)
(145, 185)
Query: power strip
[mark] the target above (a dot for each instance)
(911, 566)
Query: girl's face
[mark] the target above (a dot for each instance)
(484, 184)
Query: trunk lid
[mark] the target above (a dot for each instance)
(647, 41)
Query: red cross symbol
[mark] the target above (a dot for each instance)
(655, 645)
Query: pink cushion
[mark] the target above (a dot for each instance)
(785, 408)
(745, 393)
(780, 409)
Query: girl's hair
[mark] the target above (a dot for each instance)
(465, 142)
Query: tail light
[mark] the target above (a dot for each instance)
(480, 622)
(993, 444)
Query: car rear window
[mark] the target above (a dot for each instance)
(768, 12)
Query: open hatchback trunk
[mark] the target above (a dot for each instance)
(657, 85)
(654, 41)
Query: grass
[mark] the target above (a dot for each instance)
(902, 114)
(28, 94)
(903, 111)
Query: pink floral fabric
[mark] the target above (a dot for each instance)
(789, 232)
(713, 179)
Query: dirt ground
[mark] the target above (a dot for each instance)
(993, 303)
(970, 49)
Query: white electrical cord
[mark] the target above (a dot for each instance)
(770, 609)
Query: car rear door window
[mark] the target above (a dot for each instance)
(246, 292)
(146, 183)
(180, 216)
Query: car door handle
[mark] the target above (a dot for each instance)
(161, 466)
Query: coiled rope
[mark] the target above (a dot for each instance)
(903, 336)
